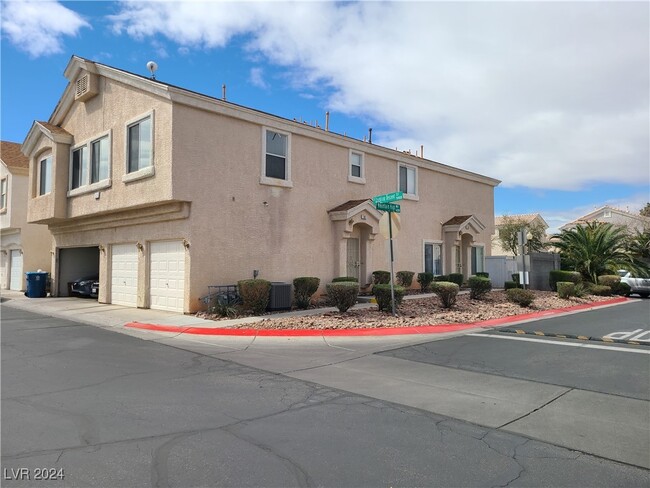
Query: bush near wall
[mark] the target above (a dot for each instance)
(342, 295)
(341, 279)
(441, 278)
(523, 298)
(254, 295)
(446, 291)
(382, 295)
(566, 289)
(456, 278)
(405, 278)
(509, 285)
(303, 289)
(380, 277)
(425, 280)
(558, 275)
(479, 287)
(483, 274)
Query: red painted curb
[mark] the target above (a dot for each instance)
(385, 331)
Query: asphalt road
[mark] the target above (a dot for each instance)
(606, 368)
(106, 409)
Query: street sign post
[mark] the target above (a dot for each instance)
(388, 197)
(388, 207)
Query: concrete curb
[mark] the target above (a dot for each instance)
(375, 332)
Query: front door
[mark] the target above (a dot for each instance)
(354, 258)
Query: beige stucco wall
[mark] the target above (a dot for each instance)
(233, 231)
(34, 240)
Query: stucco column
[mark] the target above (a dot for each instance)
(143, 275)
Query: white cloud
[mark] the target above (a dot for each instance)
(257, 78)
(540, 94)
(38, 27)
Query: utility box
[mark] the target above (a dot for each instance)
(280, 298)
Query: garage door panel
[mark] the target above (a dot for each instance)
(16, 270)
(167, 275)
(124, 275)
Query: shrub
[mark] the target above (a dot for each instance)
(254, 295)
(581, 289)
(343, 295)
(382, 295)
(341, 279)
(456, 278)
(479, 287)
(558, 275)
(515, 278)
(609, 280)
(623, 289)
(380, 277)
(425, 280)
(600, 290)
(565, 289)
(483, 274)
(441, 278)
(303, 289)
(509, 285)
(523, 298)
(405, 278)
(447, 292)
(224, 309)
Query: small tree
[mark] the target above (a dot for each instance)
(508, 235)
(645, 211)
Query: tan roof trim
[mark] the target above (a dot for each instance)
(52, 132)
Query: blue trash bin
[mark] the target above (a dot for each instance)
(36, 284)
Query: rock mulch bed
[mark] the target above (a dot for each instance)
(414, 312)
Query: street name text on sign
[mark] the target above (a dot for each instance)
(388, 197)
(388, 207)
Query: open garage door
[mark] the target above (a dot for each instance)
(75, 263)
(124, 274)
(167, 275)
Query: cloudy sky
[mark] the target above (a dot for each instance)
(552, 98)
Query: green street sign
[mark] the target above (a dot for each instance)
(388, 207)
(388, 197)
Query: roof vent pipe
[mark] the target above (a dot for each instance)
(223, 92)
(370, 135)
(422, 151)
(327, 121)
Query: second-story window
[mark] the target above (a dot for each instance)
(90, 165)
(79, 168)
(407, 179)
(276, 155)
(357, 171)
(99, 152)
(3, 193)
(45, 176)
(139, 145)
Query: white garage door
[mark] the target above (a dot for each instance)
(124, 275)
(16, 272)
(167, 276)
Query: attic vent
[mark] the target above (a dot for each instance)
(85, 87)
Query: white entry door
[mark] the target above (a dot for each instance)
(16, 271)
(167, 275)
(124, 275)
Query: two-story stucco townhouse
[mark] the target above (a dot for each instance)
(612, 215)
(164, 191)
(23, 246)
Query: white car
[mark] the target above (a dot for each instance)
(640, 286)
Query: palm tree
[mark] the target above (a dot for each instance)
(595, 249)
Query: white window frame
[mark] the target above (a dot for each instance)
(408, 195)
(147, 171)
(473, 246)
(39, 164)
(266, 180)
(86, 185)
(442, 255)
(4, 193)
(362, 161)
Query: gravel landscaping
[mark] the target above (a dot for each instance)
(418, 311)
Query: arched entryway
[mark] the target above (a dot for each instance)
(355, 226)
(460, 236)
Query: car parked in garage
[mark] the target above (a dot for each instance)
(87, 286)
(640, 286)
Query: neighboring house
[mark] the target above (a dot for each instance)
(607, 214)
(164, 191)
(23, 247)
(529, 219)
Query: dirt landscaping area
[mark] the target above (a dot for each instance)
(418, 311)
